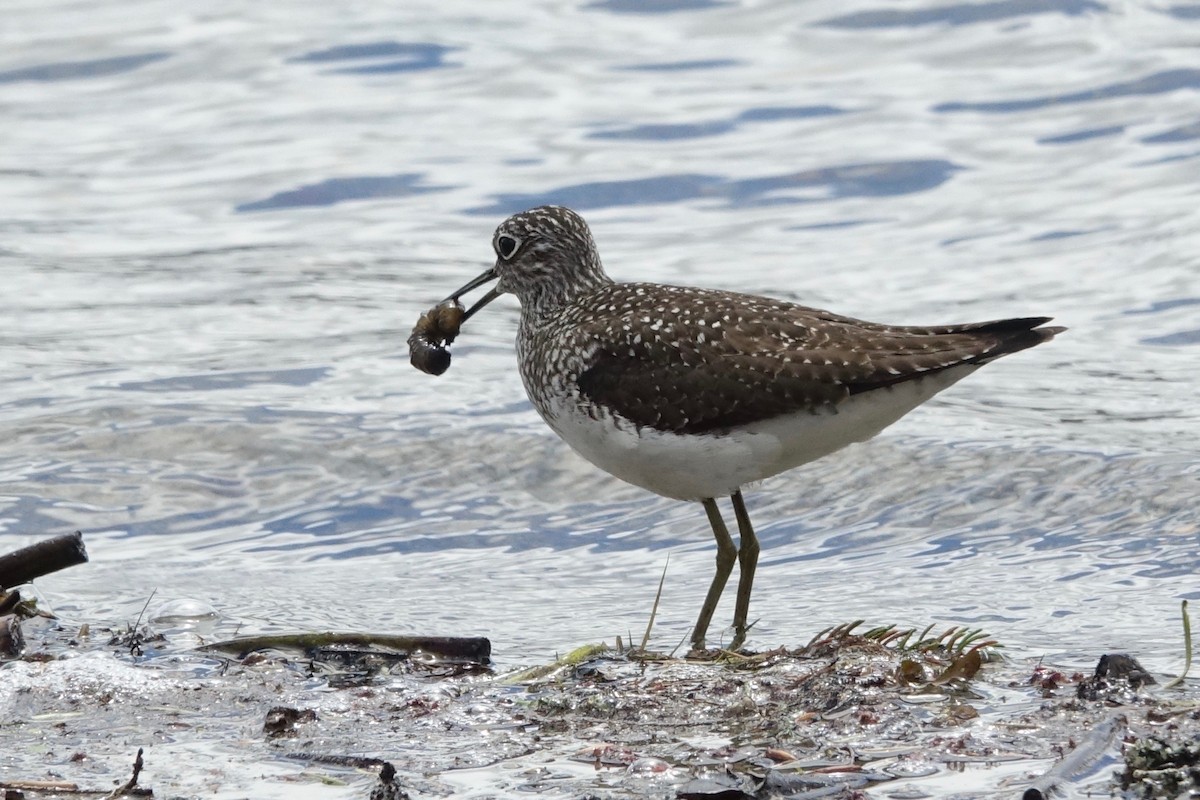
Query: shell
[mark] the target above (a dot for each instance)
(435, 329)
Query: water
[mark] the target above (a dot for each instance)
(217, 226)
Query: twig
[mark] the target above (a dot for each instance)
(126, 789)
(654, 608)
(145, 605)
(135, 641)
(1187, 647)
(62, 787)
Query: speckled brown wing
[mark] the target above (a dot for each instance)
(763, 358)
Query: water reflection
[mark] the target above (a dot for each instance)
(682, 66)
(341, 190)
(961, 13)
(851, 180)
(381, 57)
(1083, 136)
(81, 70)
(228, 380)
(692, 130)
(1173, 80)
(1184, 133)
(656, 6)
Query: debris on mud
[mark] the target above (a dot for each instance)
(22, 566)
(281, 721)
(388, 788)
(1155, 768)
(356, 659)
(130, 788)
(849, 712)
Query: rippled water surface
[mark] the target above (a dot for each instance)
(218, 223)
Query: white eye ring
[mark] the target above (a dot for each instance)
(506, 246)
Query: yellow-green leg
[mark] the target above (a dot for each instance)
(726, 555)
(748, 560)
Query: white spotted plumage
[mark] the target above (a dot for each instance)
(694, 393)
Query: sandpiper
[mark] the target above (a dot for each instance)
(694, 393)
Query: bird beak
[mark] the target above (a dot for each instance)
(492, 294)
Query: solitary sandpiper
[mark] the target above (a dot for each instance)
(694, 393)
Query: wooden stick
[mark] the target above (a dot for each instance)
(474, 649)
(50, 555)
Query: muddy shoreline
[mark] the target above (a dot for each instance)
(855, 712)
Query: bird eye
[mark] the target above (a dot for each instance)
(506, 246)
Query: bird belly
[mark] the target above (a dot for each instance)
(684, 467)
(806, 436)
(699, 466)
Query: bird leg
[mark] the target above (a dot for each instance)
(726, 555)
(748, 559)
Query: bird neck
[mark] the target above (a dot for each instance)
(547, 299)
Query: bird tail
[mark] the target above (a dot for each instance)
(1014, 335)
